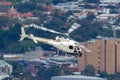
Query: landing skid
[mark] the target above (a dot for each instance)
(69, 54)
(58, 53)
(61, 53)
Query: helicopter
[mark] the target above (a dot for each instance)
(61, 43)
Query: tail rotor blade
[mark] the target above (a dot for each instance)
(84, 48)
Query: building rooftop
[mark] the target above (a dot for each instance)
(3, 75)
(6, 3)
(80, 77)
(3, 63)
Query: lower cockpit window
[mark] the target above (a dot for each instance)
(70, 47)
(78, 48)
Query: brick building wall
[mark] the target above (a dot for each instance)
(105, 56)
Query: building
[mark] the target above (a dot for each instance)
(5, 67)
(7, 9)
(29, 56)
(3, 76)
(68, 6)
(76, 77)
(105, 55)
(5, 3)
(60, 60)
(109, 1)
(107, 17)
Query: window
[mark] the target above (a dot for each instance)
(98, 62)
(98, 47)
(98, 52)
(98, 57)
(98, 67)
(70, 47)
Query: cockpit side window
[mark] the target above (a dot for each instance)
(78, 48)
(70, 47)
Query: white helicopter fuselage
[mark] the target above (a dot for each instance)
(61, 43)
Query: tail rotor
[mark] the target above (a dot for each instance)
(23, 35)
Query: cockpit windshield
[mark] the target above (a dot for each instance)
(70, 47)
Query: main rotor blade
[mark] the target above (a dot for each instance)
(73, 27)
(44, 28)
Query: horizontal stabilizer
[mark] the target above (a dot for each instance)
(22, 38)
(32, 37)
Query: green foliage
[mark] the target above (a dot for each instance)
(29, 21)
(14, 1)
(47, 73)
(114, 76)
(7, 78)
(42, 1)
(41, 73)
(67, 72)
(9, 41)
(117, 22)
(103, 74)
(25, 7)
(91, 1)
(27, 76)
(17, 68)
(90, 16)
(62, 1)
(6, 21)
(89, 30)
(89, 71)
(62, 16)
(23, 46)
(114, 11)
(8, 37)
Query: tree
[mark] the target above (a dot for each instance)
(53, 71)
(6, 22)
(103, 74)
(41, 74)
(42, 1)
(91, 1)
(17, 68)
(58, 1)
(47, 73)
(67, 72)
(89, 71)
(90, 16)
(7, 78)
(27, 76)
(25, 7)
(115, 76)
